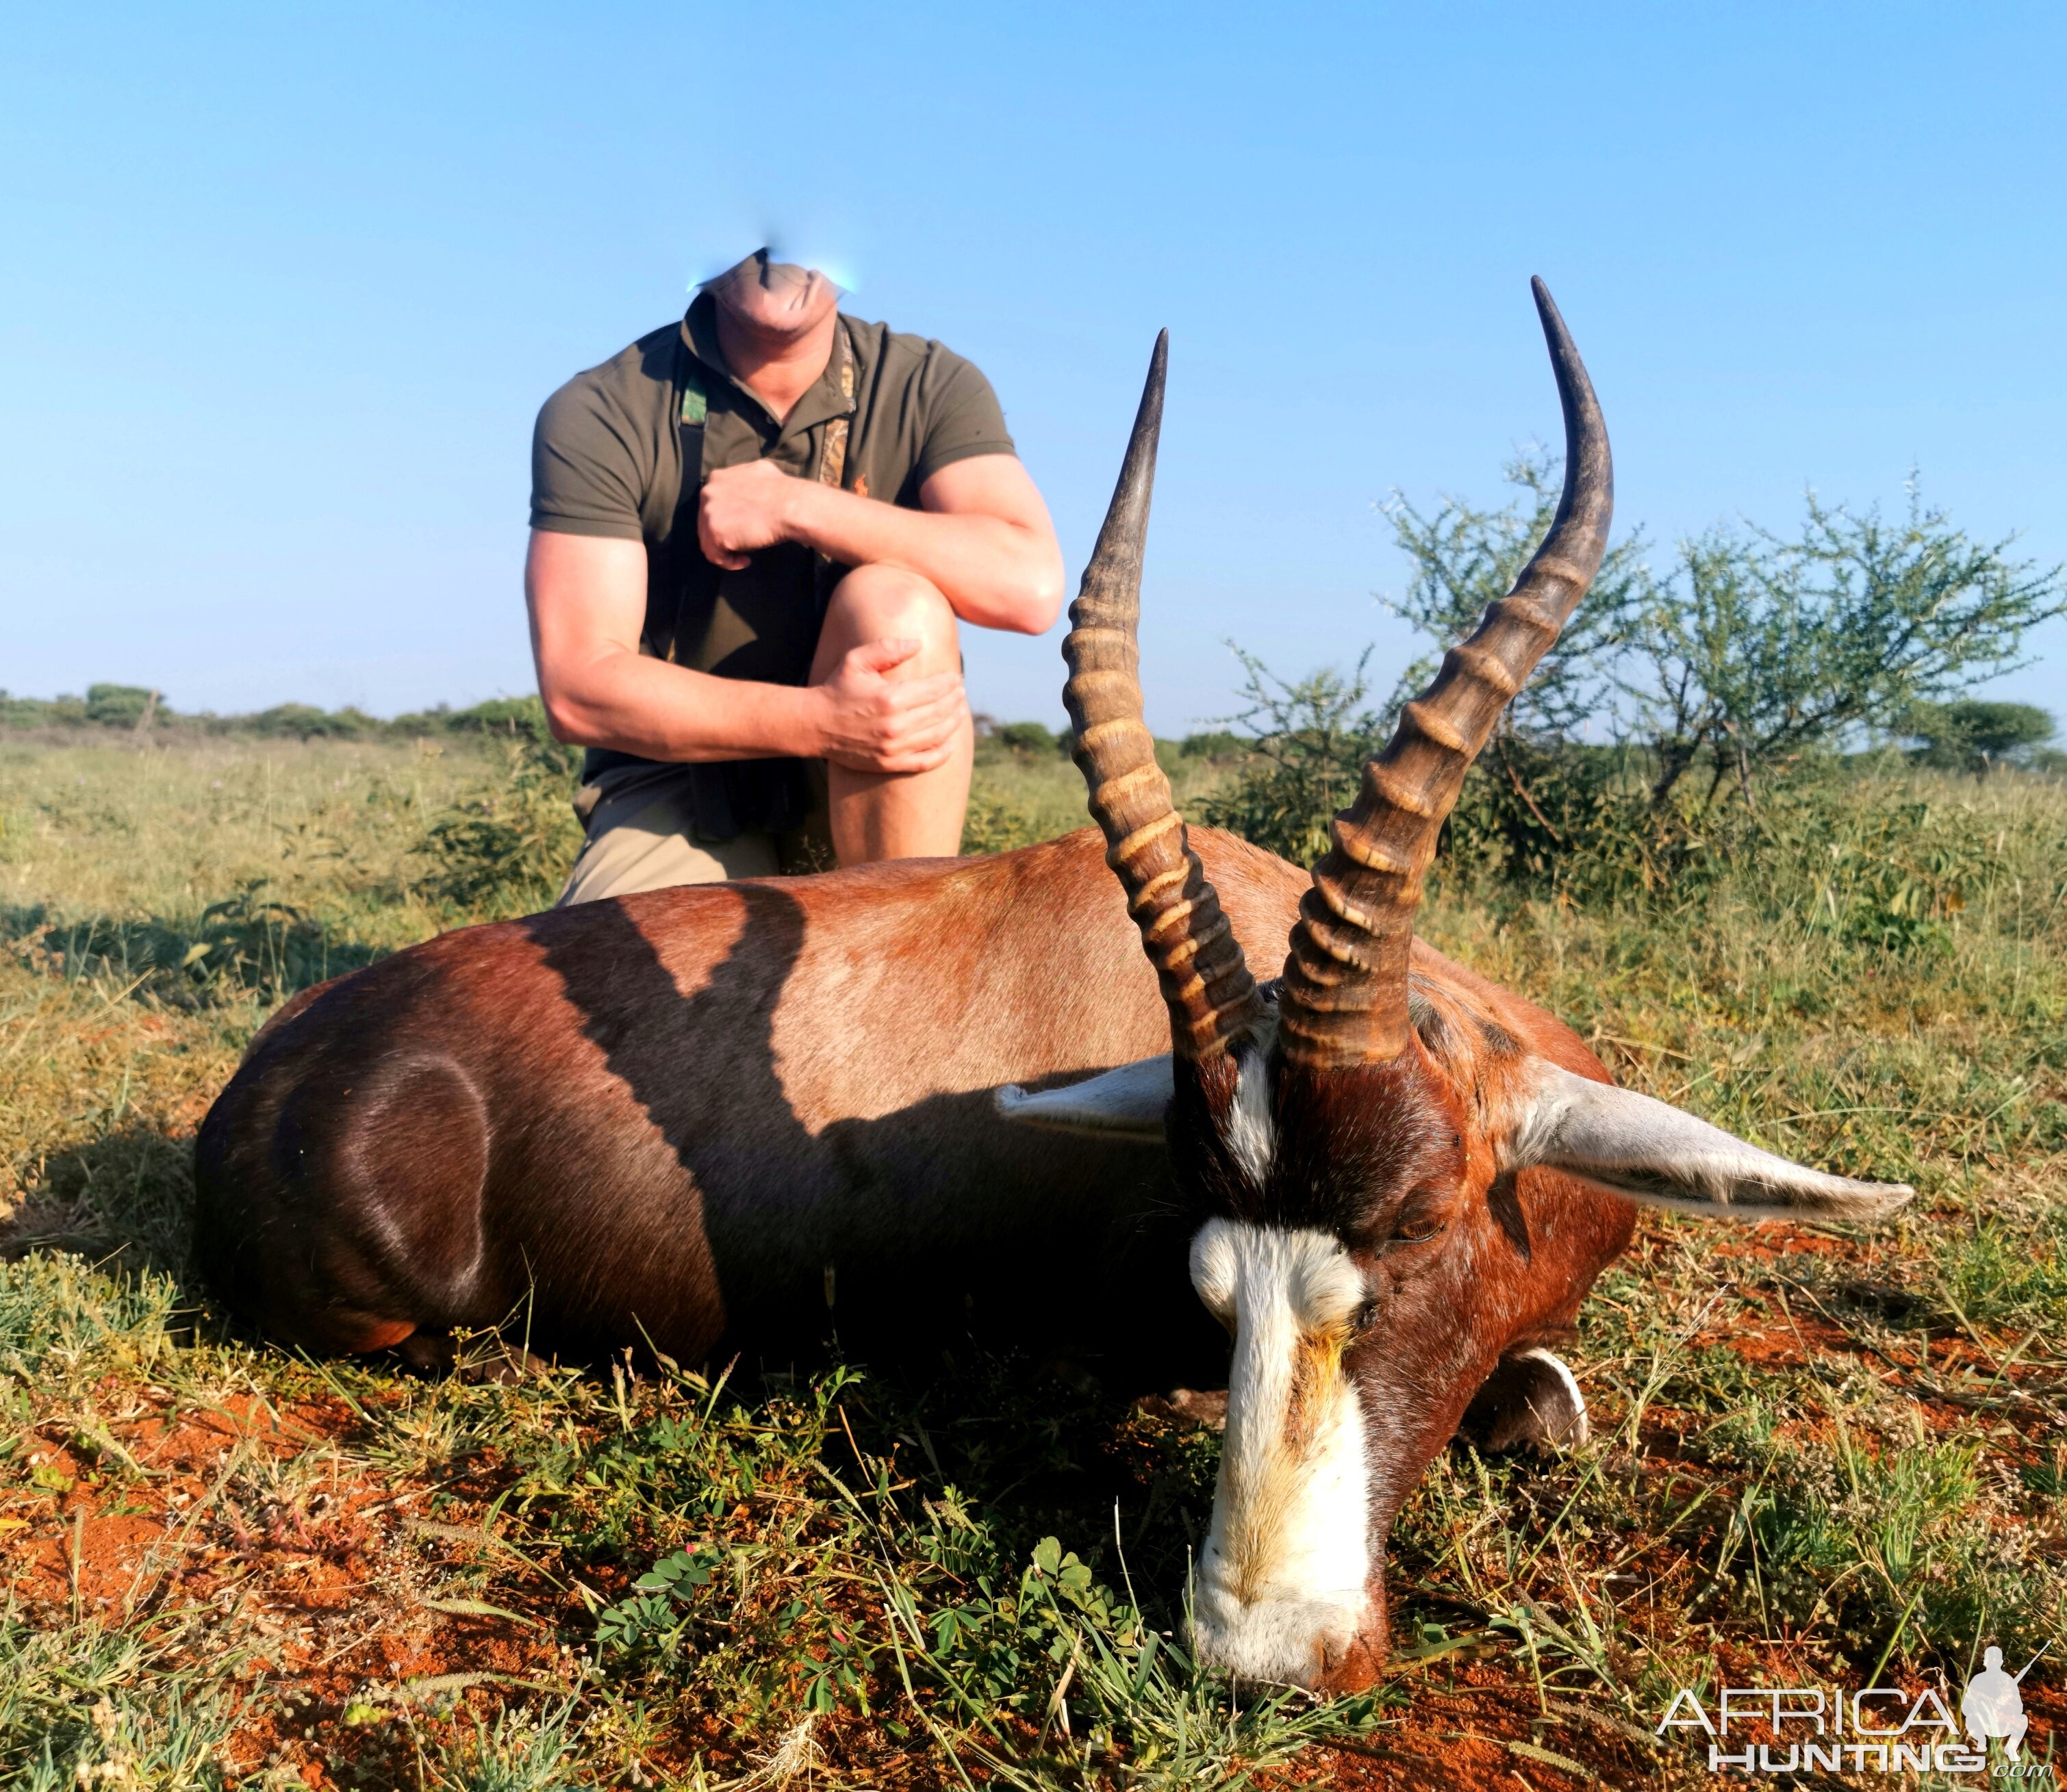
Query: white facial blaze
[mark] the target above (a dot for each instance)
(1281, 1584)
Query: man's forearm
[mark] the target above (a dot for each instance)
(636, 704)
(993, 573)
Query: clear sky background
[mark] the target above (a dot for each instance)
(282, 289)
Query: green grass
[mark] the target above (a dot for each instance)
(1817, 1453)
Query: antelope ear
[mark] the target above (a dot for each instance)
(1126, 1103)
(1629, 1143)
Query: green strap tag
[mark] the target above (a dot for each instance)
(696, 406)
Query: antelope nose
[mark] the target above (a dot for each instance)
(1355, 1669)
(1285, 1641)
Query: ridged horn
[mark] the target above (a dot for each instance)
(1344, 996)
(1212, 999)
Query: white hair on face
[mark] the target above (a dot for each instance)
(1280, 1584)
(1251, 1134)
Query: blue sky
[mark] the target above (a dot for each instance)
(282, 289)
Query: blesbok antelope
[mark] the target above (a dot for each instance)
(1403, 1180)
(702, 1117)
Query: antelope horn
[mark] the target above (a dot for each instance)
(1345, 995)
(1212, 999)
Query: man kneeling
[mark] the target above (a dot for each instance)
(752, 535)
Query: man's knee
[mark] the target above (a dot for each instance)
(879, 602)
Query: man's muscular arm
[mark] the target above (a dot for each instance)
(983, 537)
(587, 599)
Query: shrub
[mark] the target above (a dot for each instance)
(507, 853)
(1748, 649)
(523, 718)
(1533, 810)
(1309, 740)
(121, 706)
(1853, 854)
(992, 825)
(41, 712)
(1030, 738)
(304, 722)
(1973, 736)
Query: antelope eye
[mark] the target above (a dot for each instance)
(1421, 1218)
(1364, 1317)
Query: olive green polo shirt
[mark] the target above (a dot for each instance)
(610, 450)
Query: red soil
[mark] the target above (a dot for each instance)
(321, 1586)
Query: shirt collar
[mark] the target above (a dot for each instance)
(822, 399)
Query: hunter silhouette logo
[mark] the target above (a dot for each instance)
(1993, 1706)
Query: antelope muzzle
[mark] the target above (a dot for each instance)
(1287, 1590)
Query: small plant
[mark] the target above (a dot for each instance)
(81, 1707)
(512, 1754)
(509, 852)
(656, 1610)
(255, 940)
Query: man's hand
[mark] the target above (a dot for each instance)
(981, 535)
(869, 723)
(743, 508)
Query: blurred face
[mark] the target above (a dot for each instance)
(774, 298)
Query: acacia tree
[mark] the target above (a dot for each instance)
(1974, 735)
(1526, 791)
(1749, 649)
(1464, 558)
(1756, 648)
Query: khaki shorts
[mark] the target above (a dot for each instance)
(642, 836)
